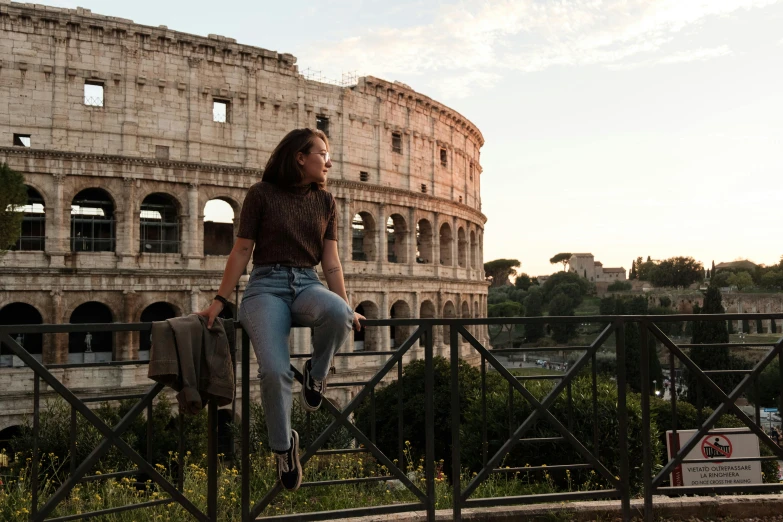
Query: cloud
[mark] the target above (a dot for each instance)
(472, 43)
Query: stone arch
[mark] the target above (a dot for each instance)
(91, 312)
(424, 250)
(33, 232)
(462, 249)
(368, 339)
(399, 310)
(363, 244)
(446, 240)
(427, 310)
(157, 311)
(449, 312)
(219, 229)
(473, 249)
(21, 313)
(93, 221)
(6, 449)
(160, 228)
(397, 239)
(465, 314)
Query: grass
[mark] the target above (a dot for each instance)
(15, 492)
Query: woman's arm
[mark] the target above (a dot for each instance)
(235, 265)
(333, 271)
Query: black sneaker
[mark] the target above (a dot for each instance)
(312, 390)
(289, 470)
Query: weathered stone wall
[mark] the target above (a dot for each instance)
(155, 134)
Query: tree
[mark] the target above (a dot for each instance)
(772, 280)
(571, 290)
(534, 305)
(742, 280)
(633, 345)
(632, 273)
(13, 194)
(709, 274)
(505, 309)
(562, 257)
(500, 269)
(645, 271)
(562, 305)
(523, 281)
(559, 278)
(721, 279)
(711, 332)
(677, 271)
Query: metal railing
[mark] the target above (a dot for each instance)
(583, 364)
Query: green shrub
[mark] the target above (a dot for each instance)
(386, 409)
(619, 286)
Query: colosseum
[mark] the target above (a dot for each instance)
(129, 135)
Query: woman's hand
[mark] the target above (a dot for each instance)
(356, 318)
(210, 312)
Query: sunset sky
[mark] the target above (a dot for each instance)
(623, 128)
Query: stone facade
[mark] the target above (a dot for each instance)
(586, 266)
(119, 119)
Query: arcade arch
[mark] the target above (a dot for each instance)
(93, 223)
(159, 227)
(363, 237)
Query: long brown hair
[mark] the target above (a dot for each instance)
(282, 168)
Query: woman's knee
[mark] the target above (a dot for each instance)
(275, 372)
(337, 316)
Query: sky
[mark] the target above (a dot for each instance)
(624, 128)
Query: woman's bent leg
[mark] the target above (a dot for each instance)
(267, 319)
(331, 319)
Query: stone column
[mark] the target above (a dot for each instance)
(383, 243)
(347, 233)
(56, 352)
(436, 243)
(128, 242)
(195, 293)
(126, 345)
(56, 244)
(385, 331)
(416, 314)
(192, 244)
(411, 239)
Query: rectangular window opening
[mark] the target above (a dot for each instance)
(444, 158)
(460, 199)
(220, 111)
(22, 140)
(161, 152)
(93, 93)
(397, 142)
(364, 176)
(471, 172)
(423, 188)
(322, 124)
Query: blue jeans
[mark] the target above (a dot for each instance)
(275, 297)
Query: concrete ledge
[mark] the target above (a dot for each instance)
(738, 507)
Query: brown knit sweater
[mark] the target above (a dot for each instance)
(289, 225)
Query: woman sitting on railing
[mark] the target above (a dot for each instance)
(292, 222)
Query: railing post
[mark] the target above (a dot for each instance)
(36, 455)
(646, 443)
(212, 465)
(245, 500)
(455, 424)
(429, 424)
(622, 413)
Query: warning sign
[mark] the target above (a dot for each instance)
(717, 449)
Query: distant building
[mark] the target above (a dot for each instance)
(586, 266)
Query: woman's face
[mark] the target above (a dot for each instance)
(315, 163)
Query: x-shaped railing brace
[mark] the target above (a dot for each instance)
(541, 409)
(341, 419)
(728, 401)
(111, 437)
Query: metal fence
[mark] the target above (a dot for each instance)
(583, 364)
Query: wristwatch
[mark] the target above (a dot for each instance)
(222, 300)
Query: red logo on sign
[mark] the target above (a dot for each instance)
(716, 447)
